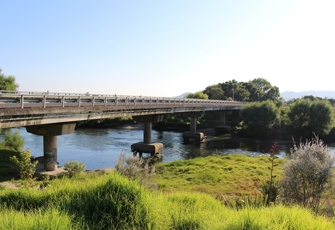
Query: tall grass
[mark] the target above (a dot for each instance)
(115, 202)
(37, 219)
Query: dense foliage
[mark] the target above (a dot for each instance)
(308, 174)
(7, 82)
(259, 119)
(267, 115)
(308, 117)
(258, 89)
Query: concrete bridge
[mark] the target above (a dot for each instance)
(52, 114)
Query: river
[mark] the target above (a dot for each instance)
(100, 148)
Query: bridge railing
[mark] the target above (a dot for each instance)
(23, 99)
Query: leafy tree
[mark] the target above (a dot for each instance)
(13, 140)
(299, 116)
(258, 89)
(308, 174)
(7, 82)
(307, 117)
(198, 95)
(259, 118)
(215, 92)
(321, 115)
(263, 90)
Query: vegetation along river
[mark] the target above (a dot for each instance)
(100, 148)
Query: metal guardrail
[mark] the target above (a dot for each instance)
(22, 99)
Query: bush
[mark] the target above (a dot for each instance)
(25, 166)
(308, 174)
(13, 140)
(74, 168)
(135, 168)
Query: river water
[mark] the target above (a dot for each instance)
(100, 148)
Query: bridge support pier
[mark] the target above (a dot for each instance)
(50, 133)
(223, 128)
(147, 146)
(193, 134)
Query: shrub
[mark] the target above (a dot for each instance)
(25, 166)
(13, 140)
(74, 168)
(135, 168)
(308, 174)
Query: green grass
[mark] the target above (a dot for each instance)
(235, 175)
(114, 202)
(111, 201)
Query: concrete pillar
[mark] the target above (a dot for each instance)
(147, 132)
(50, 133)
(193, 125)
(50, 152)
(223, 119)
(193, 134)
(147, 146)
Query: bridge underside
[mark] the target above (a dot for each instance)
(17, 117)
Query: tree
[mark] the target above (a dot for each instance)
(263, 90)
(7, 82)
(214, 92)
(198, 95)
(259, 118)
(321, 115)
(308, 174)
(307, 117)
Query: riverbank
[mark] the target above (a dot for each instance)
(110, 201)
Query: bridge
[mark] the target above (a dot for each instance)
(51, 114)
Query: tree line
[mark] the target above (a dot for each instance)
(268, 115)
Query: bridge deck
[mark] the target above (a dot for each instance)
(25, 109)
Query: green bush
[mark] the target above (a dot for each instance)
(74, 167)
(25, 166)
(13, 140)
(136, 169)
(308, 175)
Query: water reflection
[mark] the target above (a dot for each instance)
(100, 148)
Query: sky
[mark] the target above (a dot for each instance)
(166, 48)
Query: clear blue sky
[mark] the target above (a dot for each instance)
(166, 48)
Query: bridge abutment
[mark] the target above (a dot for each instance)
(193, 134)
(50, 133)
(147, 146)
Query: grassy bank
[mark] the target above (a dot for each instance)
(110, 201)
(186, 198)
(235, 175)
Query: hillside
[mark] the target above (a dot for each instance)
(289, 95)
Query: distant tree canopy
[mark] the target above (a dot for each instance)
(258, 89)
(258, 119)
(7, 82)
(198, 95)
(311, 117)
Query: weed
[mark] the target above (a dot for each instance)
(271, 187)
